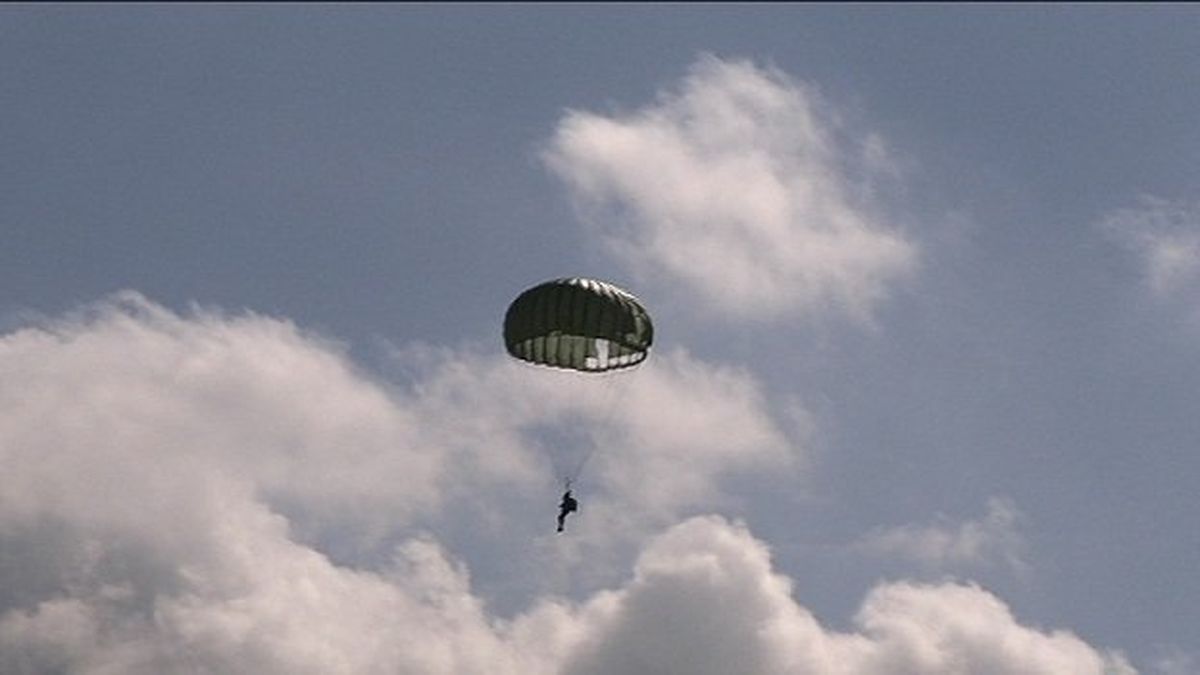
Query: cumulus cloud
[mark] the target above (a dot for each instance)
(184, 478)
(993, 539)
(159, 471)
(735, 187)
(250, 600)
(1165, 235)
(126, 413)
(704, 599)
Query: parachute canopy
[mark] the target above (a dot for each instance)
(578, 324)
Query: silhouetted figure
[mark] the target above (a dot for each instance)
(568, 505)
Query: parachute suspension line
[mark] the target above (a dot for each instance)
(568, 470)
(584, 326)
(614, 384)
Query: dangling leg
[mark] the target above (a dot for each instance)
(562, 507)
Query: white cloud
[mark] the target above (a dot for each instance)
(704, 599)
(1165, 235)
(734, 188)
(159, 468)
(995, 538)
(166, 478)
(250, 600)
(127, 413)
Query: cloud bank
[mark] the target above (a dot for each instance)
(735, 188)
(704, 599)
(166, 478)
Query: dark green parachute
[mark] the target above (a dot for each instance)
(578, 324)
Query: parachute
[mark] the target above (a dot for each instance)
(581, 327)
(578, 324)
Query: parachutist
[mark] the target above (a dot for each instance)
(568, 505)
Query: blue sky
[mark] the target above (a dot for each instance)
(924, 280)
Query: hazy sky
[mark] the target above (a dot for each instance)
(923, 398)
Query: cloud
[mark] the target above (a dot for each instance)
(126, 414)
(990, 540)
(161, 472)
(247, 599)
(178, 483)
(1165, 235)
(735, 188)
(1176, 661)
(704, 599)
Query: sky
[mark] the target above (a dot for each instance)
(922, 396)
